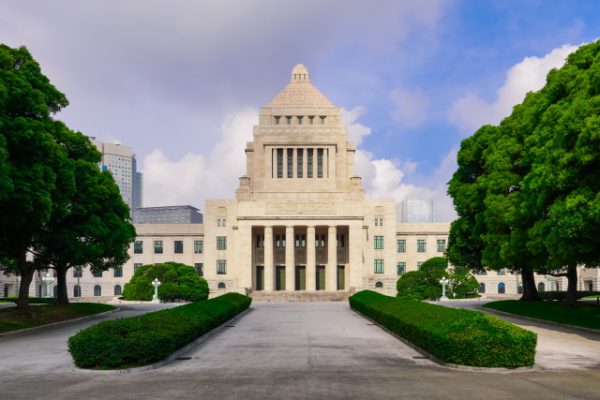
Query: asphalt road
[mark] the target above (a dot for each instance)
(283, 351)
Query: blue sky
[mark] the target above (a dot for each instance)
(181, 82)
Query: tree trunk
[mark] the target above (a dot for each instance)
(26, 272)
(61, 285)
(530, 292)
(572, 285)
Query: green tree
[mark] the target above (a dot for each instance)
(33, 160)
(414, 285)
(178, 281)
(462, 283)
(563, 186)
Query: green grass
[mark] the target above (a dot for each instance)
(584, 314)
(12, 320)
(591, 297)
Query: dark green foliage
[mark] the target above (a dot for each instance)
(414, 285)
(561, 296)
(32, 300)
(178, 282)
(462, 284)
(131, 342)
(583, 314)
(452, 335)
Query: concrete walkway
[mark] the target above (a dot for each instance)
(558, 348)
(282, 351)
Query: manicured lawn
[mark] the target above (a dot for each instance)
(584, 314)
(11, 320)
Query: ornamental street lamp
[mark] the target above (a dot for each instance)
(156, 284)
(48, 281)
(444, 282)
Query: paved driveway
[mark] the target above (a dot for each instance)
(295, 351)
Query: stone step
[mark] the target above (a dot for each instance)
(284, 296)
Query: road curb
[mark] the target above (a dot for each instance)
(173, 356)
(55, 324)
(544, 321)
(445, 364)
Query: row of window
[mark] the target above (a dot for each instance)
(117, 290)
(421, 245)
(289, 162)
(138, 247)
(298, 119)
(400, 266)
(300, 240)
(78, 272)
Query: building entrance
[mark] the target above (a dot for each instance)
(341, 277)
(320, 277)
(260, 277)
(280, 277)
(300, 281)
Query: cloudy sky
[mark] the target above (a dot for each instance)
(181, 81)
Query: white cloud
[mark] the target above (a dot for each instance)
(196, 177)
(410, 106)
(471, 111)
(356, 131)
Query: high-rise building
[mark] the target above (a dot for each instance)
(167, 215)
(120, 161)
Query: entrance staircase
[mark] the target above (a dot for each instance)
(283, 296)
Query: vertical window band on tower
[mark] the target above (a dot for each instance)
(290, 163)
(319, 163)
(309, 167)
(280, 163)
(300, 160)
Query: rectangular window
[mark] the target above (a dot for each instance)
(419, 263)
(138, 247)
(341, 240)
(319, 163)
(118, 272)
(300, 240)
(158, 247)
(178, 246)
(420, 245)
(441, 245)
(221, 242)
(323, 119)
(401, 246)
(502, 271)
(378, 242)
(379, 266)
(309, 163)
(380, 221)
(288, 120)
(311, 119)
(299, 120)
(199, 267)
(137, 266)
(97, 274)
(198, 246)
(280, 163)
(221, 267)
(319, 240)
(299, 161)
(277, 117)
(279, 240)
(218, 222)
(290, 163)
(401, 268)
(260, 241)
(376, 221)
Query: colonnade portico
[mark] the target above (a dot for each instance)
(313, 256)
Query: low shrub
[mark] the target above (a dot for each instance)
(452, 335)
(562, 296)
(141, 340)
(32, 300)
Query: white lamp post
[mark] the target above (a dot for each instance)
(156, 284)
(444, 282)
(48, 281)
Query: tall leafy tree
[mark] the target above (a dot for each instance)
(96, 230)
(563, 186)
(33, 159)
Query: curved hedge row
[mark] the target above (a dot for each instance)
(452, 335)
(148, 338)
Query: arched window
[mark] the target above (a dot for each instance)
(379, 285)
(55, 291)
(501, 288)
(520, 288)
(117, 290)
(481, 288)
(541, 287)
(221, 285)
(76, 291)
(97, 290)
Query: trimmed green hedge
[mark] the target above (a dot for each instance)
(32, 300)
(562, 296)
(148, 338)
(452, 335)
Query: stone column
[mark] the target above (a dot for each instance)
(269, 259)
(331, 269)
(289, 258)
(310, 259)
